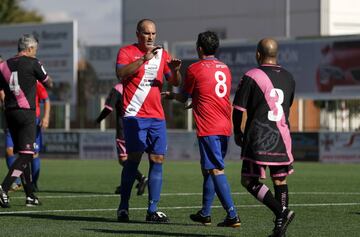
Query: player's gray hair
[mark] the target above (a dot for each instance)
(27, 41)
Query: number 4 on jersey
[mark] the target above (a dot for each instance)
(14, 83)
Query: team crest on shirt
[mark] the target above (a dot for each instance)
(263, 137)
(150, 75)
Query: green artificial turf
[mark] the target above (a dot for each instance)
(78, 200)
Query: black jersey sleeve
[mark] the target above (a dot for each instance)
(2, 82)
(39, 71)
(293, 92)
(243, 91)
(113, 99)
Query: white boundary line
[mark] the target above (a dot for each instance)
(172, 208)
(181, 194)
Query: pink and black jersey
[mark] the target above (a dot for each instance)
(41, 97)
(142, 89)
(114, 101)
(208, 82)
(266, 94)
(18, 80)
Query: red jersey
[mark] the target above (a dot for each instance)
(41, 96)
(208, 82)
(142, 89)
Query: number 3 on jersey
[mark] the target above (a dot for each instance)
(220, 77)
(14, 83)
(271, 115)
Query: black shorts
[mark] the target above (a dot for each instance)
(22, 126)
(251, 169)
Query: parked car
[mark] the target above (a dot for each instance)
(340, 66)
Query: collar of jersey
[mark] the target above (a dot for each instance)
(210, 58)
(270, 65)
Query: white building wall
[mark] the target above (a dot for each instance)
(340, 17)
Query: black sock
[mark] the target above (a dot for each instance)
(16, 170)
(263, 194)
(282, 194)
(26, 179)
(138, 176)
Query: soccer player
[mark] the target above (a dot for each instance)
(208, 83)
(41, 123)
(18, 76)
(114, 101)
(140, 68)
(266, 94)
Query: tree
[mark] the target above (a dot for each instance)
(12, 12)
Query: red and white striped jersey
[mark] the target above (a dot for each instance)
(142, 89)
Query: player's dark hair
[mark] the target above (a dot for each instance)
(139, 24)
(27, 41)
(208, 41)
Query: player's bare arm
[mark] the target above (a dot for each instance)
(48, 83)
(131, 68)
(175, 65)
(2, 97)
(46, 118)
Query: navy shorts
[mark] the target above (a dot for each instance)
(145, 134)
(212, 151)
(251, 169)
(22, 127)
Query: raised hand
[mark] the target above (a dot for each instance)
(175, 64)
(44, 122)
(151, 53)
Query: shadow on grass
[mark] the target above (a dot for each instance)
(73, 192)
(150, 233)
(86, 218)
(61, 218)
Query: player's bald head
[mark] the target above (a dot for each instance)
(142, 23)
(267, 48)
